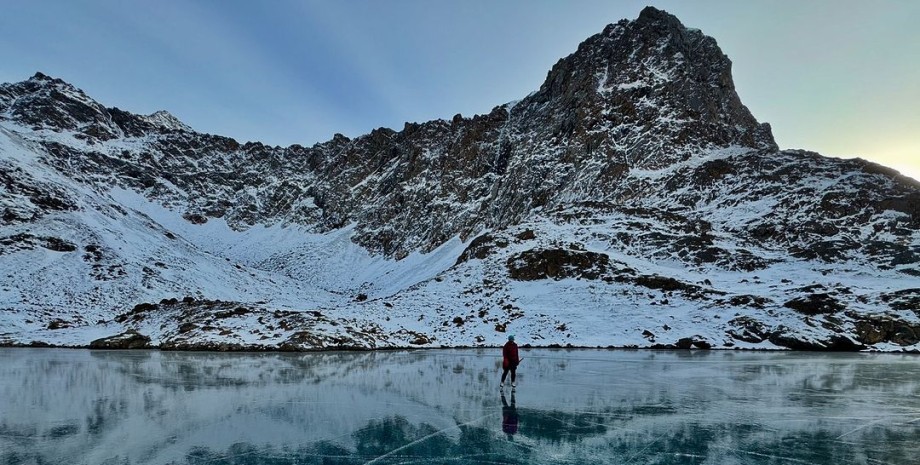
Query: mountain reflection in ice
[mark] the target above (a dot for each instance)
(444, 406)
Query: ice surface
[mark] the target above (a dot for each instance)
(444, 406)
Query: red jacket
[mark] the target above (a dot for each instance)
(510, 357)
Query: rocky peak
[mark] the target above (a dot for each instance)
(651, 16)
(45, 102)
(42, 77)
(650, 84)
(166, 120)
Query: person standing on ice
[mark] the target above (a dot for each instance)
(510, 361)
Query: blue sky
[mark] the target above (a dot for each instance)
(841, 77)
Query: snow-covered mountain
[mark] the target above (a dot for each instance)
(632, 200)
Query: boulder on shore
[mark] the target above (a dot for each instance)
(130, 339)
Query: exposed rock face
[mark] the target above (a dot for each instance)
(557, 264)
(815, 304)
(633, 179)
(875, 329)
(128, 340)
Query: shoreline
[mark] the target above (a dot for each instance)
(228, 348)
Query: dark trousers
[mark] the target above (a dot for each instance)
(512, 369)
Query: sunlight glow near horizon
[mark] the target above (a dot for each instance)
(839, 77)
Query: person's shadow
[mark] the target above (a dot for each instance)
(509, 417)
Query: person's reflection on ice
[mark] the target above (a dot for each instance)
(509, 417)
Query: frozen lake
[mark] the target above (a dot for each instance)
(444, 407)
